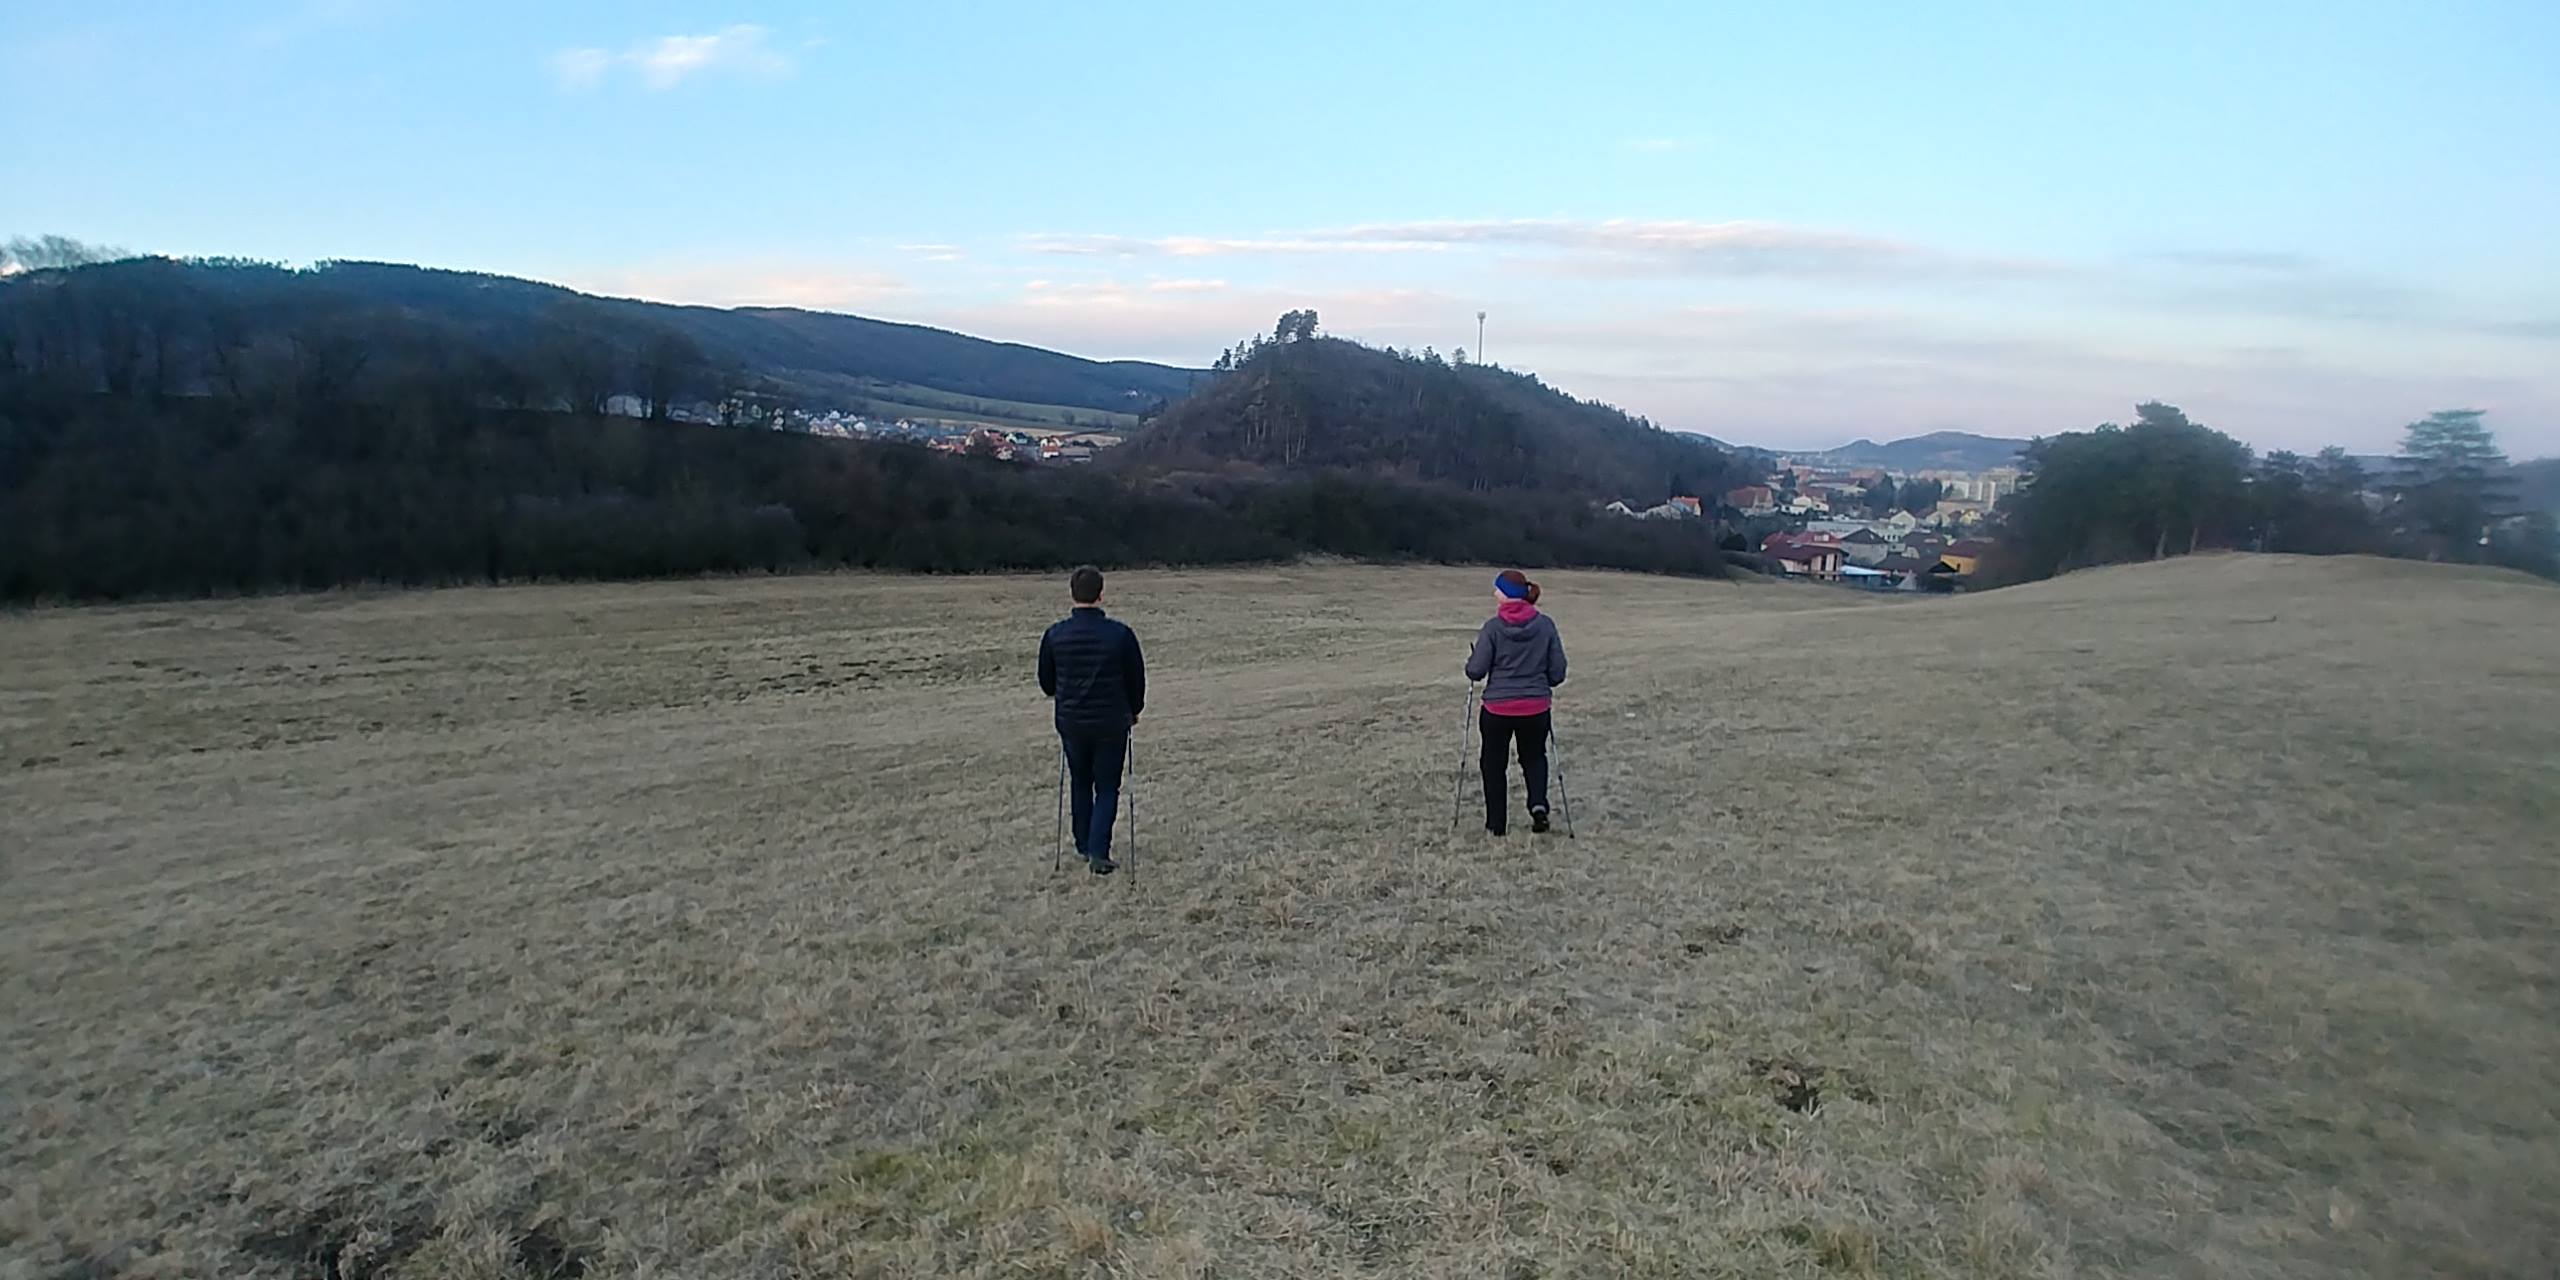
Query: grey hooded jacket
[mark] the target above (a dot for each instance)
(1517, 660)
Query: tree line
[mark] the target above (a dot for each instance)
(159, 440)
(2166, 485)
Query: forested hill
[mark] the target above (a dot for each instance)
(814, 357)
(1312, 402)
(1947, 450)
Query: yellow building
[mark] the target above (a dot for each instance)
(1964, 556)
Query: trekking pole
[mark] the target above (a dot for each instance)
(1058, 849)
(1564, 794)
(1458, 783)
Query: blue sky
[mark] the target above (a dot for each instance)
(2305, 223)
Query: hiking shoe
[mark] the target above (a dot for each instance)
(1538, 820)
(1101, 864)
(1496, 832)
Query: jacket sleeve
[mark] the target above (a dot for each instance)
(1133, 672)
(1048, 667)
(1480, 658)
(1555, 658)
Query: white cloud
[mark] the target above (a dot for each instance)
(742, 48)
(1207, 246)
(1166, 296)
(1616, 246)
(664, 63)
(934, 252)
(748, 283)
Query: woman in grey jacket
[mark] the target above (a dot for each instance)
(1521, 660)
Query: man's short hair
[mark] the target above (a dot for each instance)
(1084, 586)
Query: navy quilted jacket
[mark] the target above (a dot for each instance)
(1091, 667)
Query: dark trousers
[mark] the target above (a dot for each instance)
(1095, 758)
(1532, 731)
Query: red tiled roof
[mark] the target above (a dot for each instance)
(1831, 541)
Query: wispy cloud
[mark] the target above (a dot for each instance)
(743, 49)
(2249, 260)
(2544, 330)
(1207, 246)
(2294, 286)
(1117, 293)
(934, 252)
(755, 282)
(1605, 247)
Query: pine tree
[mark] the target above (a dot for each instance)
(2449, 483)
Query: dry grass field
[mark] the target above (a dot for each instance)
(2188, 920)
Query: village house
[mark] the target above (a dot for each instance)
(1819, 563)
(1752, 499)
(1808, 538)
(1906, 567)
(1840, 528)
(1964, 556)
(1958, 513)
(1865, 547)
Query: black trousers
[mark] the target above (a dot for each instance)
(1499, 731)
(1095, 758)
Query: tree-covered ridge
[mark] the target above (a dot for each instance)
(2166, 485)
(1301, 400)
(199, 311)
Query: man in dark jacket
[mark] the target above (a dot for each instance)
(1091, 668)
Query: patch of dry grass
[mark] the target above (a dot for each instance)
(2188, 920)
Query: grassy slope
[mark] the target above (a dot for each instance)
(2177, 920)
(901, 399)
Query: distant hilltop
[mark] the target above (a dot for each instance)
(1938, 451)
